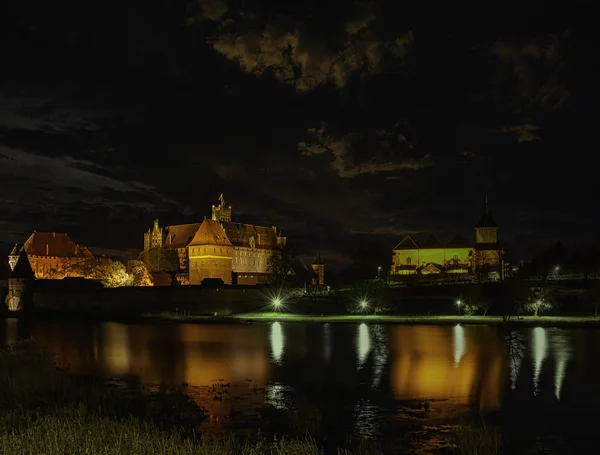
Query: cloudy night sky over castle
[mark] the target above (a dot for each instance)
(342, 123)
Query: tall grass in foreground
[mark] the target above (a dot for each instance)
(479, 439)
(73, 431)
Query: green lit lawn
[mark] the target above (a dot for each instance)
(380, 319)
(453, 319)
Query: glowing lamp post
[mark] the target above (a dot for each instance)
(458, 305)
(364, 304)
(379, 272)
(276, 303)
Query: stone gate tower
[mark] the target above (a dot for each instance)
(20, 281)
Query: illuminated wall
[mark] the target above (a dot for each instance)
(422, 256)
(210, 261)
(53, 267)
(251, 260)
(486, 235)
(319, 270)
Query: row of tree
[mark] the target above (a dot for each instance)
(582, 259)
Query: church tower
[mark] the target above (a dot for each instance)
(489, 257)
(486, 231)
(221, 213)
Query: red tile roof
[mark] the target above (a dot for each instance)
(180, 235)
(53, 244)
(407, 244)
(210, 233)
(240, 235)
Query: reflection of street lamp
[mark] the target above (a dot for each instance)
(379, 272)
(458, 304)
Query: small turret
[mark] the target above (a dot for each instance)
(221, 212)
(13, 257)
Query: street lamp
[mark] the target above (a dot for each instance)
(458, 304)
(379, 272)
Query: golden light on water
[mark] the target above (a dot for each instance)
(116, 353)
(429, 362)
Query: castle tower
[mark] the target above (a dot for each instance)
(221, 212)
(154, 238)
(489, 256)
(486, 231)
(13, 257)
(318, 267)
(19, 285)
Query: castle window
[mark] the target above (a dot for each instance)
(408, 260)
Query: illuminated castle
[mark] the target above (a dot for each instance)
(52, 255)
(215, 248)
(458, 256)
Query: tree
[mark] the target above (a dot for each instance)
(113, 274)
(161, 259)
(139, 273)
(537, 306)
(281, 262)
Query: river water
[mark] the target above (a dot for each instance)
(540, 385)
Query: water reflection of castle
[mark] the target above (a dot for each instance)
(465, 366)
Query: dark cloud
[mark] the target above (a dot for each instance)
(295, 52)
(345, 124)
(363, 153)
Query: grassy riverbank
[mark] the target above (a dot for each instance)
(527, 321)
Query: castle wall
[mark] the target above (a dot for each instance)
(251, 260)
(52, 267)
(210, 261)
(131, 301)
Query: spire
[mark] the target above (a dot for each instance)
(318, 260)
(22, 268)
(487, 219)
(15, 250)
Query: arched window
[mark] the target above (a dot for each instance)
(408, 260)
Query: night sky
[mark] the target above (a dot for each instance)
(345, 124)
